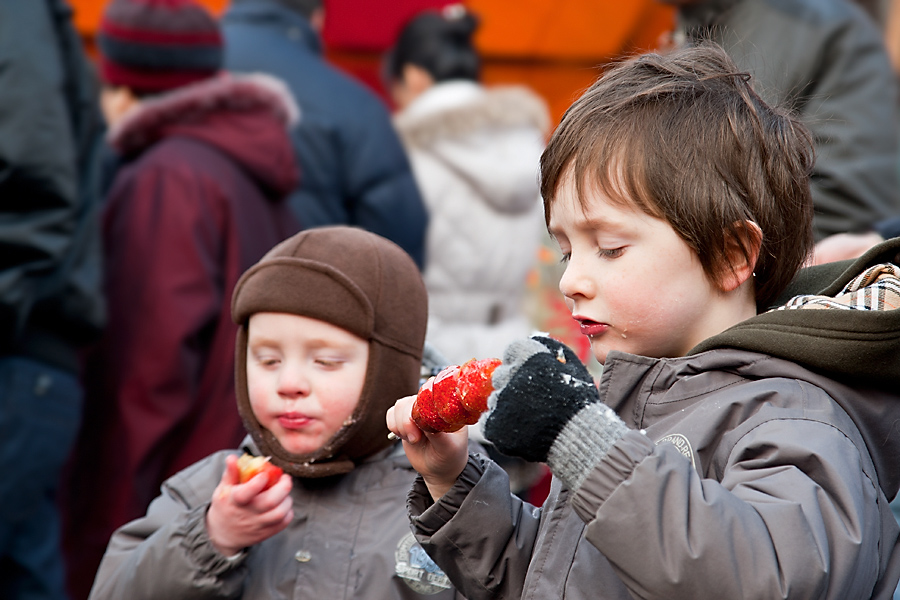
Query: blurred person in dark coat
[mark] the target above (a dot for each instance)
(826, 60)
(199, 197)
(355, 171)
(51, 302)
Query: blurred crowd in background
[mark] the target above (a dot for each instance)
(153, 150)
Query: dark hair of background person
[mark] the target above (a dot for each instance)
(440, 43)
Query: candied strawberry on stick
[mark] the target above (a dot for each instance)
(249, 466)
(447, 400)
(475, 384)
(454, 397)
(424, 414)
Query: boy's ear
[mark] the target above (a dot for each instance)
(742, 250)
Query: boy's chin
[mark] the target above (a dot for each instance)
(299, 444)
(600, 351)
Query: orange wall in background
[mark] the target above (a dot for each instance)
(87, 12)
(581, 30)
(537, 29)
(555, 46)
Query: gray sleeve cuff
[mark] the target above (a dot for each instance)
(426, 515)
(584, 442)
(200, 550)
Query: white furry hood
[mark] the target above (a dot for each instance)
(491, 137)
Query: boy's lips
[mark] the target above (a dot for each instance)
(589, 327)
(293, 420)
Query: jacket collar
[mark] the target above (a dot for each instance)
(848, 345)
(630, 381)
(289, 23)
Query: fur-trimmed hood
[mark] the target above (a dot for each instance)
(500, 107)
(245, 116)
(483, 135)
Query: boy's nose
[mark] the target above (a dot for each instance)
(576, 281)
(293, 383)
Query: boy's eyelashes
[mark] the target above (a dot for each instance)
(328, 362)
(611, 252)
(601, 252)
(266, 360)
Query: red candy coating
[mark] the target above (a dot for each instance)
(447, 400)
(454, 397)
(475, 383)
(424, 413)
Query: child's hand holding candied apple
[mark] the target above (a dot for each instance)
(455, 397)
(251, 503)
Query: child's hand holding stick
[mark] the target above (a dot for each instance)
(438, 457)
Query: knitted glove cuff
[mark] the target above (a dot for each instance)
(584, 442)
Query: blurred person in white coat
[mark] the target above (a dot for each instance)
(475, 152)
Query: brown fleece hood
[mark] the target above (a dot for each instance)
(362, 283)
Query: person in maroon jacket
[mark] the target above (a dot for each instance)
(207, 162)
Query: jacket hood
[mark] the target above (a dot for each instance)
(482, 135)
(274, 13)
(856, 346)
(247, 117)
(841, 322)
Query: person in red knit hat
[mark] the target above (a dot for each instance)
(152, 46)
(206, 163)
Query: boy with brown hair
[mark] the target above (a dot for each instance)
(728, 452)
(331, 331)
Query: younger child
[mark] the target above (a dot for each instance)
(331, 329)
(727, 453)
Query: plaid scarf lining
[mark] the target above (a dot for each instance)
(877, 288)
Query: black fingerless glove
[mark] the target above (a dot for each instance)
(546, 408)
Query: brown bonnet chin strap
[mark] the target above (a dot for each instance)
(298, 467)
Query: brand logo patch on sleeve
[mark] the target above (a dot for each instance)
(417, 569)
(681, 443)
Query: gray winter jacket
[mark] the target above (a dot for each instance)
(748, 474)
(825, 60)
(350, 538)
